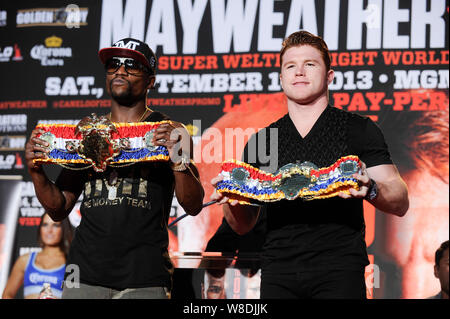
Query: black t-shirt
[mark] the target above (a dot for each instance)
(320, 234)
(122, 242)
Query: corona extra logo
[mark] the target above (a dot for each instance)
(53, 42)
(52, 53)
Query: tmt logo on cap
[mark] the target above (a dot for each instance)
(129, 45)
(130, 48)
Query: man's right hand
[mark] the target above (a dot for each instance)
(34, 149)
(220, 198)
(241, 218)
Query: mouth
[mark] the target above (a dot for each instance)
(119, 81)
(300, 83)
(49, 238)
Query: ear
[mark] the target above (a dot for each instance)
(151, 82)
(436, 271)
(330, 76)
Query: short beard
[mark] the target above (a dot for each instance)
(125, 98)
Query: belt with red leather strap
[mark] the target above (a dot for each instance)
(249, 185)
(97, 142)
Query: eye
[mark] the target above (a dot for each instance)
(114, 62)
(112, 65)
(132, 64)
(214, 289)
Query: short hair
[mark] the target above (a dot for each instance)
(440, 252)
(300, 38)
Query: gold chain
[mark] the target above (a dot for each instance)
(74, 168)
(121, 165)
(142, 116)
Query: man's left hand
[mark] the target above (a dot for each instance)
(364, 184)
(175, 138)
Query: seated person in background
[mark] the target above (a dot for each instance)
(225, 240)
(246, 248)
(47, 266)
(213, 286)
(441, 270)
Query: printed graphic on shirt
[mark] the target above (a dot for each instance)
(128, 191)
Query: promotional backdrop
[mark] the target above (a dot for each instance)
(218, 73)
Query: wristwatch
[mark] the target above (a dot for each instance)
(372, 193)
(183, 165)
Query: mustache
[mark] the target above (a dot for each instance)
(126, 97)
(120, 79)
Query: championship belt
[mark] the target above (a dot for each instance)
(250, 185)
(97, 142)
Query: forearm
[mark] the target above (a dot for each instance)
(49, 195)
(15, 280)
(6, 295)
(189, 190)
(10, 292)
(241, 218)
(392, 197)
(56, 202)
(11, 288)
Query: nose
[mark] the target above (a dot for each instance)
(299, 70)
(47, 230)
(121, 70)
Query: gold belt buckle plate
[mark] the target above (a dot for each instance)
(97, 146)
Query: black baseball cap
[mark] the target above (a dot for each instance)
(130, 48)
